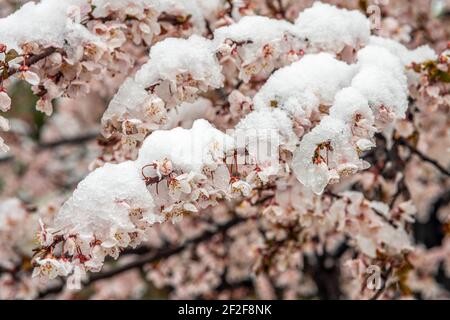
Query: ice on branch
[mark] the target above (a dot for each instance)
(52, 27)
(325, 154)
(49, 24)
(110, 193)
(181, 68)
(385, 93)
(328, 28)
(187, 149)
(253, 126)
(177, 172)
(178, 71)
(257, 45)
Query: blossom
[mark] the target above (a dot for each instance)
(5, 101)
(52, 268)
(30, 77)
(250, 146)
(241, 188)
(257, 45)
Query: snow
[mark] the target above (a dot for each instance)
(349, 102)
(382, 89)
(187, 149)
(421, 54)
(257, 45)
(266, 126)
(418, 55)
(259, 29)
(373, 55)
(407, 57)
(170, 60)
(330, 29)
(307, 83)
(48, 23)
(172, 56)
(129, 96)
(103, 200)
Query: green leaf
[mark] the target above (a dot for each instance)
(443, 76)
(11, 55)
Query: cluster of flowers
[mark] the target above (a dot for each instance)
(113, 207)
(18, 237)
(66, 47)
(314, 92)
(336, 107)
(434, 79)
(179, 70)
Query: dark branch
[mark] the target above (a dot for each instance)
(34, 59)
(58, 143)
(431, 232)
(69, 141)
(425, 158)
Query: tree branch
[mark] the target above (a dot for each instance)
(150, 257)
(58, 143)
(34, 59)
(68, 141)
(431, 232)
(425, 158)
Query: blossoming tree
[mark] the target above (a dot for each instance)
(224, 149)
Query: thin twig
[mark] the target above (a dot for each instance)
(69, 141)
(57, 143)
(34, 59)
(425, 158)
